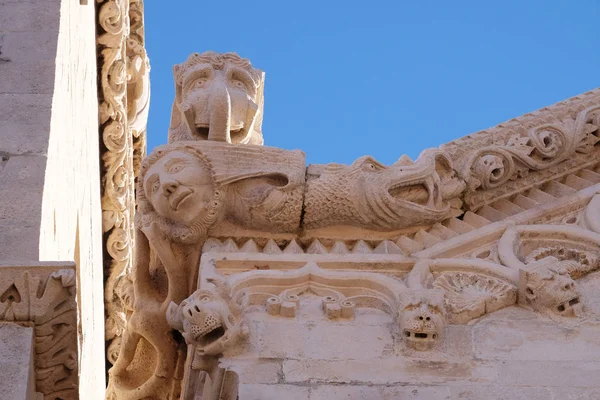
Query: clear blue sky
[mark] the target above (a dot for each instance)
(384, 78)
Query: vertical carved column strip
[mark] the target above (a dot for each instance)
(123, 95)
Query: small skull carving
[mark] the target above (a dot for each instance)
(548, 287)
(422, 317)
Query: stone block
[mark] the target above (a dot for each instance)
(288, 338)
(19, 16)
(273, 392)
(384, 371)
(549, 373)
(331, 341)
(24, 138)
(27, 77)
(29, 46)
(498, 393)
(575, 393)
(536, 340)
(25, 109)
(16, 362)
(255, 370)
(355, 392)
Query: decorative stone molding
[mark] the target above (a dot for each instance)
(341, 291)
(370, 196)
(45, 297)
(471, 287)
(217, 97)
(530, 149)
(124, 93)
(591, 215)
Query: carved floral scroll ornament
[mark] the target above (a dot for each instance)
(124, 99)
(46, 298)
(544, 146)
(371, 196)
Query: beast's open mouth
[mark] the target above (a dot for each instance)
(420, 335)
(211, 336)
(423, 193)
(566, 305)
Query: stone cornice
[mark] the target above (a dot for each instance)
(528, 150)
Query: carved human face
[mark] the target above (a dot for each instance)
(210, 96)
(422, 318)
(552, 290)
(179, 187)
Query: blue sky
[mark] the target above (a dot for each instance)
(384, 78)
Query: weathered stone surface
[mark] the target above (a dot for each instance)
(27, 77)
(536, 340)
(273, 392)
(351, 392)
(498, 393)
(16, 362)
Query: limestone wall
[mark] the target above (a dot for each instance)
(49, 168)
(511, 354)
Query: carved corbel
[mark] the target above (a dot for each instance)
(549, 258)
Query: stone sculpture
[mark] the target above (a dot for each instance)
(209, 321)
(422, 317)
(189, 188)
(217, 97)
(226, 227)
(548, 288)
(369, 195)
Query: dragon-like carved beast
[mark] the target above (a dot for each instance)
(209, 320)
(422, 317)
(369, 195)
(548, 288)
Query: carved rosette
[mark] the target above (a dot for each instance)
(45, 297)
(124, 97)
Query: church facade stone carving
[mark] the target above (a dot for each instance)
(235, 238)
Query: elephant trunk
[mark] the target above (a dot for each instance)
(220, 113)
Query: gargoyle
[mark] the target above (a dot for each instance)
(422, 317)
(369, 195)
(209, 320)
(217, 97)
(548, 288)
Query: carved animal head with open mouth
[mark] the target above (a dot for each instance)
(206, 321)
(548, 288)
(421, 318)
(370, 195)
